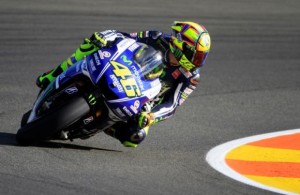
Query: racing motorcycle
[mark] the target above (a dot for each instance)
(105, 87)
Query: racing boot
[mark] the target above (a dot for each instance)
(46, 78)
(42, 83)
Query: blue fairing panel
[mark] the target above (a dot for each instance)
(117, 75)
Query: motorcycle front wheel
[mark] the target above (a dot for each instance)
(48, 125)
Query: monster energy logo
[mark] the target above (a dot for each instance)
(178, 53)
(92, 100)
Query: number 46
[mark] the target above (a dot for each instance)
(127, 81)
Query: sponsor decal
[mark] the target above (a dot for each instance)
(134, 34)
(104, 54)
(184, 95)
(192, 87)
(88, 120)
(176, 74)
(126, 79)
(124, 58)
(97, 60)
(107, 32)
(116, 83)
(135, 106)
(137, 103)
(137, 77)
(119, 112)
(186, 73)
(188, 91)
(84, 66)
(92, 65)
(71, 90)
(92, 100)
(133, 47)
(127, 111)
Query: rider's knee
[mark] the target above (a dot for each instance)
(133, 138)
(127, 135)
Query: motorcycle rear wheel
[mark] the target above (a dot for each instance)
(47, 126)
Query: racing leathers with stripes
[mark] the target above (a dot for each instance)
(178, 83)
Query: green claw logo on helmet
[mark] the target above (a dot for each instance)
(190, 43)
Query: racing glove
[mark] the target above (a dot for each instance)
(104, 38)
(149, 34)
(145, 119)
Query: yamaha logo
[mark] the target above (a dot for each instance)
(71, 90)
(88, 120)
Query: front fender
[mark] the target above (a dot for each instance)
(51, 98)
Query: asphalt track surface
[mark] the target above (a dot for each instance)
(250, 85)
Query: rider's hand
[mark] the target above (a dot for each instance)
(145, 119)
(104, 38)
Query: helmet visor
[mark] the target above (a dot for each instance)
(199, 58)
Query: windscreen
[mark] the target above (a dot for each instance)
(148, 59)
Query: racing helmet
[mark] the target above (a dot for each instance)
(190, 44)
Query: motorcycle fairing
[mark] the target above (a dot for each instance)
(115, 71)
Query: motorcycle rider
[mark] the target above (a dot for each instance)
(184, 53)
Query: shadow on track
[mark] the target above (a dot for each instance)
(48, 144)
(9, 139)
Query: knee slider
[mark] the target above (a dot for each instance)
(138, 136)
